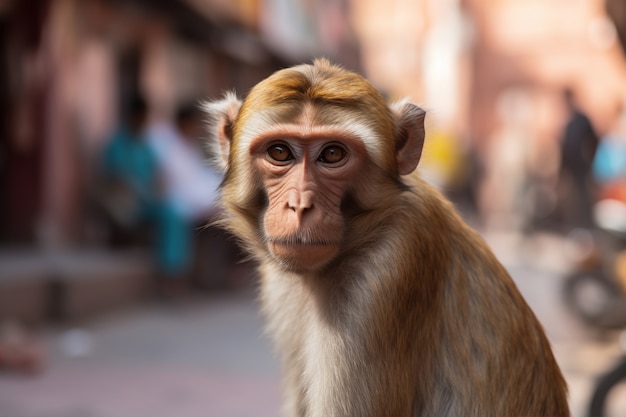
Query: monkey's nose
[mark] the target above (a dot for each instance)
(300, 202)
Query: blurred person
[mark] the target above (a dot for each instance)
(579, 142)
(190, 182)
(504, 199)
(135, 196)
(609, 170)
(609, 163)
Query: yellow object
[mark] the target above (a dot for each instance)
(443, 158)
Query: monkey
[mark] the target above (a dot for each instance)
(379, 298)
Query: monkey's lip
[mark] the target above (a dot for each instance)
(297, 242)
(303, 253)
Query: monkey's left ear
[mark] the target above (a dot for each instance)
(409, 135)
(221, 118)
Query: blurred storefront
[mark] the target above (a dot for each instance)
(68, 68)
(458, 56)
(492, 76)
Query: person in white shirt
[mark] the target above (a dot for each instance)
(189, 183)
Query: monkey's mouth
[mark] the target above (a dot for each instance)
(300, 241)
(303, 253)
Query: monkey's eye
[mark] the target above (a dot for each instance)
(332, 154)
(280, 153)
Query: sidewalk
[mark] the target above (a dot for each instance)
(204, 358)
(37, 286)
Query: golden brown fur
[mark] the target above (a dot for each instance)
(413, 315)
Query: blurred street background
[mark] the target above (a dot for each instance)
(117, 299)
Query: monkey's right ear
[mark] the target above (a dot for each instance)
(221, 118)
(410, 135)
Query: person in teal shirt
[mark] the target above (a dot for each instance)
(130, 162)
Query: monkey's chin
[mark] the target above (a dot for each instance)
(303, 257)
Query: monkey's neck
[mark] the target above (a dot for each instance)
(344, 327)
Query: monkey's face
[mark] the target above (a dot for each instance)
(306, 173)
(309, 149)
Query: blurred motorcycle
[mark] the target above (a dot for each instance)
(596, 292)
(610, 390)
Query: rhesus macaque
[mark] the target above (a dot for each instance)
(381, 301)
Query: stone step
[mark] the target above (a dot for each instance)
(38, 286)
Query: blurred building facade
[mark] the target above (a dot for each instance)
(69, 67)
(492, 74)
(483, 69)
(482, 48)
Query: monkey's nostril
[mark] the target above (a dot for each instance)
(300, 202)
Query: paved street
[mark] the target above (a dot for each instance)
(207, 357)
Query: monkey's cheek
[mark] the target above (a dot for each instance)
(304, 257)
